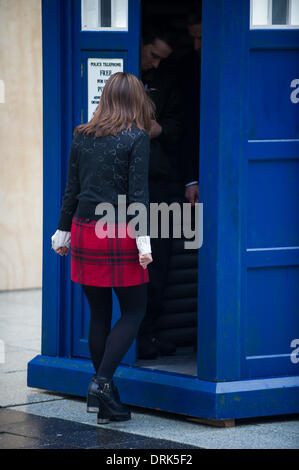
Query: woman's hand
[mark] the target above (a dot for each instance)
(61, 242)
(144, 260)
(62, 251)
(156, 129)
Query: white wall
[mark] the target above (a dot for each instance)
(20, 144)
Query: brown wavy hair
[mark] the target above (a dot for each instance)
(124, 103)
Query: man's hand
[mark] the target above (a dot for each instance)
(144, 260)
(192, 193)
(62, 251)
(156, 129)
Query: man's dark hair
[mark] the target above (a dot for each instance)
(155, 29)
(194, 18)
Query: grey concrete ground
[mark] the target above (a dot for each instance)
(20, 331)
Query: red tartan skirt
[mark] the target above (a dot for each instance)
(108, 261)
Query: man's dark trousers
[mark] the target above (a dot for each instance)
(158, 192)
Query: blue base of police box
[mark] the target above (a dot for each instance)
(172, 392)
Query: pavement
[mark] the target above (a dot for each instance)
(38, 419)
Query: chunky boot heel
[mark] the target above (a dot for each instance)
(103, 416)
(93, 403)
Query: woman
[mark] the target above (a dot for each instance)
(109, 157)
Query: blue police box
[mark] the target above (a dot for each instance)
(247, 355)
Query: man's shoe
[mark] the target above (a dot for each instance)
(146, 349)
(165, 348)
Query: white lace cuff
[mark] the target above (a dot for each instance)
(144, 244)
(61, 238)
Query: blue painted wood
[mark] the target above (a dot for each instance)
(57, 127)
(273, 195)
(224, 104)
(274, 39)
(271, 319)
(269, 257)
(281, 149)
(67, 130)
(271, 75)
(171, 392)
(51, 274)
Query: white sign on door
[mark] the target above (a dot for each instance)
(99, 70)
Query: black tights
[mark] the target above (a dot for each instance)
(108, 347)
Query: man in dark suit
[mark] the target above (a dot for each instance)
(157, 44)
(191, 134)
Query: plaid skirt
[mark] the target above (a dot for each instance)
(100, 260)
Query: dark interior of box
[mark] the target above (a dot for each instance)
(178, 319)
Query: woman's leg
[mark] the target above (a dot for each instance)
(100, 304)
(132, 301)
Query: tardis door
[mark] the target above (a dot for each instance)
(249, 256)
(106, 39)
(271, 320)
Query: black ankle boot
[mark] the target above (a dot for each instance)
(102, 398)
(92, 407)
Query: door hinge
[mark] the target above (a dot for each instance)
(82, 115)
(82, 70)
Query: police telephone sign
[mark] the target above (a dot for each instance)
(99, 70)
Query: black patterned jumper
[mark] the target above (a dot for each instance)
(99, 170)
